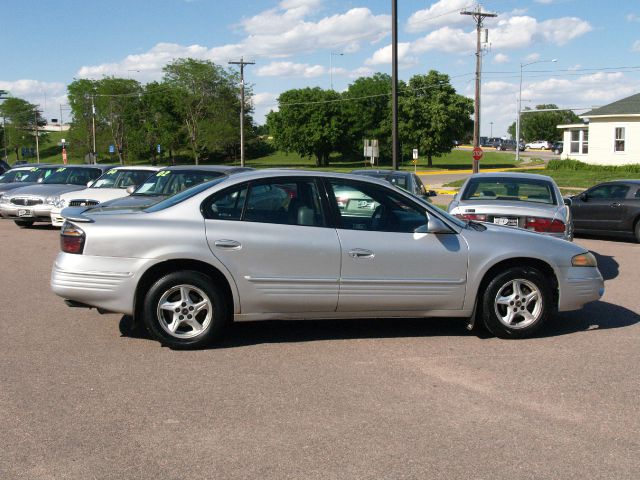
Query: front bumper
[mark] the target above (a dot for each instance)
(108, 283)
(36, 213)
(578, 286)
(56, 219)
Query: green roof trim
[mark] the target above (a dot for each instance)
(626, 106)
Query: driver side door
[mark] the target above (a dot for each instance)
(385, 265)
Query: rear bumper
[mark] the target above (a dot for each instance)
(103, 282)
(578, 286)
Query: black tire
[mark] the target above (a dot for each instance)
(527, 314)
(199, 288)
(636, 230)
(24, 223)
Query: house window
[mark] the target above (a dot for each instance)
(579, 141)
(585, 141)
(575, 141)
(619, 139)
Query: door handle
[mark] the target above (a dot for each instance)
(615, 204)
(228, 244)
(361, 253)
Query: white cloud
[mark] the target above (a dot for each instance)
(584, 91)
(48, 96)
(290, 69)
(443, 12)
(544, 2)
(562, 30)
(361, 72)
(264, 99)
(532, 57)
(382, 56)
(446, 39)
(501, 58)
(273, 33)
(632, 17)
(636, 46)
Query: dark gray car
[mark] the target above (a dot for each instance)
(407, 181)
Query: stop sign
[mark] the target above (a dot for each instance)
(477, 153)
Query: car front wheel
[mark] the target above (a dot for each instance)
(516, 303)
(185, 310)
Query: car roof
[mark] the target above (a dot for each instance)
(291, 172)
(208, 168)
(382, 172)
(530, 176)
(137, 167)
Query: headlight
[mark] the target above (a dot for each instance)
(4, 199)
(584, 260)
(59, 202)
(51, 200)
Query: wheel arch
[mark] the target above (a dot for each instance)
(502, 265)
(157, 270)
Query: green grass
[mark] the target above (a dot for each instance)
(571, 174)
(455, 160)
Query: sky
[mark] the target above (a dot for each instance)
(309, 43)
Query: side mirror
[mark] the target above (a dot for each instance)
(40, 180)
(434, 225)
(584, 197)
(89, 183)
(567, 201)
(130, 189)
(431, 193)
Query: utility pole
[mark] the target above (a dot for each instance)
(242, 63)
(4, 127)
(93, 128)
(394, 82)
(37, 143)
(479, 17)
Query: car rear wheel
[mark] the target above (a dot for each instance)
(636, 230)
(185, 310)
(24, 223)
(516, 303)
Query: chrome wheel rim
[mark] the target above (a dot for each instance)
(185, 311)
(518, 304)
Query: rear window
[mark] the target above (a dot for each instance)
(512, 189)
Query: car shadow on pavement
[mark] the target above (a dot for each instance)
(607, 265)
(595, 316)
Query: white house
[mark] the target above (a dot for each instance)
(610, 135)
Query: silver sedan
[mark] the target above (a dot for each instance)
(523, 200)
(275, 244)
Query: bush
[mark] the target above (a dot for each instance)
(578, 165)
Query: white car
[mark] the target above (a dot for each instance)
(114, 183)
(539, 144)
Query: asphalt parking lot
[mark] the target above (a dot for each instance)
(82, 396)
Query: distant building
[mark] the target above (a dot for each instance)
(609, 135)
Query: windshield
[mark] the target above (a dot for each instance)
(512, 189)
(72, 176)
(121, 178)
(185, 194)
(26, 175)
(170, 182)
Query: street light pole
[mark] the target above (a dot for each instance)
(242, 63)
(4, 127)
(93, 128)
(520, 103)
(331, 65)
(394, 83)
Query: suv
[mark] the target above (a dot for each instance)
(557, 147)
(539, 144)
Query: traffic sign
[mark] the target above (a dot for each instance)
(477, 153)
(415, 153)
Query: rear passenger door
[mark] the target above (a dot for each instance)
(274, 238)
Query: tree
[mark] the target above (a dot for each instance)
(432, 115)
(207, 104)
(21, 118)
(309, 122)
(366, 113)
(543, 125)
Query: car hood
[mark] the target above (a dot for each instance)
(5, 187)
(40, 190)
(98, 194)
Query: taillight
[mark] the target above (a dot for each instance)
(544, 225)
(71, 238)
(472, 216)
